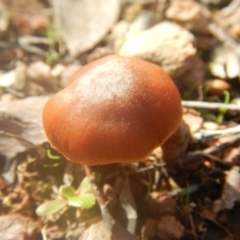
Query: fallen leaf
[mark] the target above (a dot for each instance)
(231, 191)
(161, 205)
(22, 119)
(84, 23)
(20, 130)
(169, 228)
(149, 229)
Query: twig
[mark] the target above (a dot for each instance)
(26, 43)
(185, 191)
(222, 146)
(144, 169)
(224, 37)
(204, 135)
(196, 156)
(210, 105)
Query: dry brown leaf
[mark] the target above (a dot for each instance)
(21, 118)
(161, 205)
(149, 229)
(110, 195)
(83, 23)
(20, 129)
(211, 216)
(169, 228)
(231, 191)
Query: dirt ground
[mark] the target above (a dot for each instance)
(188, 189)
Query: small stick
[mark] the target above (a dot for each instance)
(204, 135)
(224, 37)
(210, 105)
(192, 157)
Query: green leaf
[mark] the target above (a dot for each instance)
(222, 111)
(51, 165)
(67, 191)
(85, 201)
(50, 207)
(51, 156)
(85, 186)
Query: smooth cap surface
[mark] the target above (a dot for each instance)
(116, 109)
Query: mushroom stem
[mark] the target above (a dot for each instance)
(102, 204)
(177, 144)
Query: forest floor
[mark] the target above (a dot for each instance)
(190, 193)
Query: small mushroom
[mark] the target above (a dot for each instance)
(115, 109)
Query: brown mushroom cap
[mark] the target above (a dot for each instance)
(116, 109)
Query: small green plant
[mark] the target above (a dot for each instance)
(184, 199)
(222, 111)
(80, 198)
(55, 158)
(53, 35)
(218, 118)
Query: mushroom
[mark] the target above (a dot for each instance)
(115, 109)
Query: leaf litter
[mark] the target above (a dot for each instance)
(194, 197)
